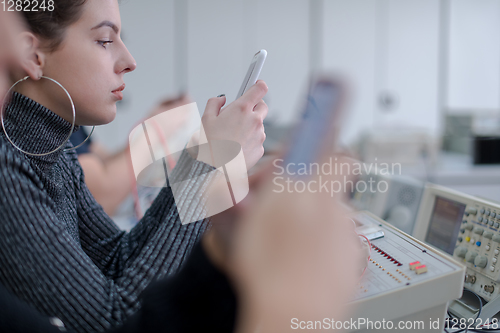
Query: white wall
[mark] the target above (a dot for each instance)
(148, 32)
(215, 48)
(348, 47)
(382, 46)
(409, 63)
(220, 39)
(224, 35)
(282, 28)
(474, 55)
(385, 46)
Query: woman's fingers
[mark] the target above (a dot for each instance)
(214, 105)
(253, 95)
(261, 108)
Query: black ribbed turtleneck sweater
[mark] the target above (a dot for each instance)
(59, 251)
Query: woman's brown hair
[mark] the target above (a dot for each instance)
(50, 26)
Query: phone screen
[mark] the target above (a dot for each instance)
(315, 125)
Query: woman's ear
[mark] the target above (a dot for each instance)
(33, 58)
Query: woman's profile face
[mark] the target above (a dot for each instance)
(91, 62)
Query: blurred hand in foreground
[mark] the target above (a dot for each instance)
(289, 255)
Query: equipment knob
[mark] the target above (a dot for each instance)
(469, 227)
(496, 238)
(470, 256)
(478, 231)
(461, 251)
(481, 261)
(488, 234)
(472, 211)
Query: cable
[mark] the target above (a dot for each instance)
(475, 319)
(369, 247)
(490, 329)
(369, 256)
(480, 306)
(480, 302)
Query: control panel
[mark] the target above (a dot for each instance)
(405, 278)
(468, 228)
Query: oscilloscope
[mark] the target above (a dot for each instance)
(467, 228)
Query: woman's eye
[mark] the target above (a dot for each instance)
(103, 43)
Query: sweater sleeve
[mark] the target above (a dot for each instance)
(95, 285)
(198, 299)
(157, 245)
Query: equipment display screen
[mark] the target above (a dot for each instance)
(445, 224)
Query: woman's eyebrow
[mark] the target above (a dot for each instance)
(106, 24)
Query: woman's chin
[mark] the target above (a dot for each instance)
(110, 116)
(102, 118)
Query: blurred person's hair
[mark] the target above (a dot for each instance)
(50, 26)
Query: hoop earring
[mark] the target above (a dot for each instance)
(81, 144)
(72, 124)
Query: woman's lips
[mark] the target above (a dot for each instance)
(118, 92)
(118, 95)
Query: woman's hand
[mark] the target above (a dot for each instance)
(241, 121)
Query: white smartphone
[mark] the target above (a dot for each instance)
(253, 72)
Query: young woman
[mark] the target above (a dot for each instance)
(59, 251)
(281, 258)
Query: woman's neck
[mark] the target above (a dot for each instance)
(48, 94)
